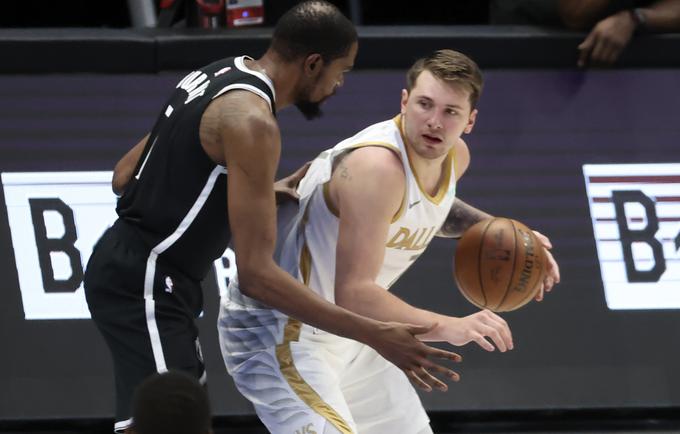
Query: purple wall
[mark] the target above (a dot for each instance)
(535, 130)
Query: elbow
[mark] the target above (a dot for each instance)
(252, 281)
(346, 298)
(249, 282)
(119, 181)
(117, 185)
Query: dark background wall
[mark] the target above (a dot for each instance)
(535, 130)
(130, 51)
(115, 14)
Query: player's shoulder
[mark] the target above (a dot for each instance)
(243, 100)
(378, 163)
(381, 159)
(461, 147)
(245, 111)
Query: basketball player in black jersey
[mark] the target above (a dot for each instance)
(204, 175)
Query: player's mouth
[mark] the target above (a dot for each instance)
(431, 140)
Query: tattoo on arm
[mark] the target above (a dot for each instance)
(460, 218)
(344, 173)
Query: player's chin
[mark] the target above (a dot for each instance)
(432, 151)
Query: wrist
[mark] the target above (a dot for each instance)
(439, 332)
(639, 19)
(367, 329)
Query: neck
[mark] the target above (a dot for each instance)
(283, 74)
(428, 171)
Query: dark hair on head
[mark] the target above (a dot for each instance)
(310, 27)
(171, 403)
(451, 67)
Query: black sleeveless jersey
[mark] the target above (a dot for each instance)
(177, 198)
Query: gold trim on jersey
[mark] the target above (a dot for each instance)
(308, 395)
(327, 198)
(326, 187)
(284, 355)
(305, 263)
(445, 180)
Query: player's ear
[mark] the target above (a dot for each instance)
(404, 100)
(313, 65)
(471, 122)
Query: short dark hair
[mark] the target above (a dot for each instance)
(451, 67)
(171, 403)
(310, 27)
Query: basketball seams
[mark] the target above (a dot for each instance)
(480, 250)
(539, 258)
(514, 264)
(491, 264)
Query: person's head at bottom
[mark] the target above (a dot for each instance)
(170, 403)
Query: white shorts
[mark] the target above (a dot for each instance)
(311, 382)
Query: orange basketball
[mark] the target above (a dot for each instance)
(499, 264)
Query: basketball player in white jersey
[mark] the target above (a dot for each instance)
(368, 208)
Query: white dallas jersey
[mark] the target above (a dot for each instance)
(420, 217)
(308, 233)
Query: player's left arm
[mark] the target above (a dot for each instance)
(462, 215)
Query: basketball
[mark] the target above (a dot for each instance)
(499, 264)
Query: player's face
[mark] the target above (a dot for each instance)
(435, 115)
(324, 83)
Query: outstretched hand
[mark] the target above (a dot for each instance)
(484, 328)
(285, 188)
(552, 277)
(398, 344)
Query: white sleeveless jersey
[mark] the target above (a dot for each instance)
(307, 240)
(416, 223)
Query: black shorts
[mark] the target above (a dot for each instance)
(146, 311)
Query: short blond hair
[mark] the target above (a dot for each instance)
(451, 67)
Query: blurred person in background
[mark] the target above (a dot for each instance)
(613, 24)
(524, 12)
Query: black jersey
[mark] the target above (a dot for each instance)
(177, 197)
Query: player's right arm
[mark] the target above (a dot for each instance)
(250, 144)
(125, 168)
(367, 188)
